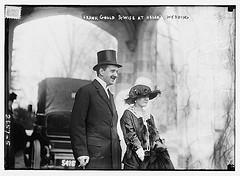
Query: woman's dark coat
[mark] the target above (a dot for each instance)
(93, 128)
(135, 136)
(134, 132)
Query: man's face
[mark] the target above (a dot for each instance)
(110, 74)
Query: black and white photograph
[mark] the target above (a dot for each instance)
(119, 88)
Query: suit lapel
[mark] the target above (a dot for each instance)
(102, 93)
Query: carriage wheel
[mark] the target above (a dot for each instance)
(36, 154)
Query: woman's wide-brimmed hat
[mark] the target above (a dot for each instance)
(106, 57)
(139, 91)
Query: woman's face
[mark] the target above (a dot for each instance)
(143, 101)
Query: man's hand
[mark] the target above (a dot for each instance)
(83, 160)
(140, 153)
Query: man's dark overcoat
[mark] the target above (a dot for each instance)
(93, 128)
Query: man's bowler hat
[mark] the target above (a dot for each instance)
(106, 57)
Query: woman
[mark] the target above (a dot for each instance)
(140, 133)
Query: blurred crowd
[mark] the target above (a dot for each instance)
(21, 121)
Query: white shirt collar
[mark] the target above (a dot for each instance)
(104, 85)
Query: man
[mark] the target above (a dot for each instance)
(12, 97)
(93, 124)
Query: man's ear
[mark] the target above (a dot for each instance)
(101, 70)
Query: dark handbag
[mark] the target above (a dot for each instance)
(159, 159)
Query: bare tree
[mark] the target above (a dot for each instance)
(77, 54)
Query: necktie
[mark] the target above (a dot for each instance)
(111, 101)
(110, 96)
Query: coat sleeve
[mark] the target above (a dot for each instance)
(77, 123)
(129, 133)
(153, 130)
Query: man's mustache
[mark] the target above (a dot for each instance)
(113, 77)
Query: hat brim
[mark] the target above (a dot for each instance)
(152, 95)
(129, 101)
(95, 68)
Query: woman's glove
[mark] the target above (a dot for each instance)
(140, 153)
(160, 145)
